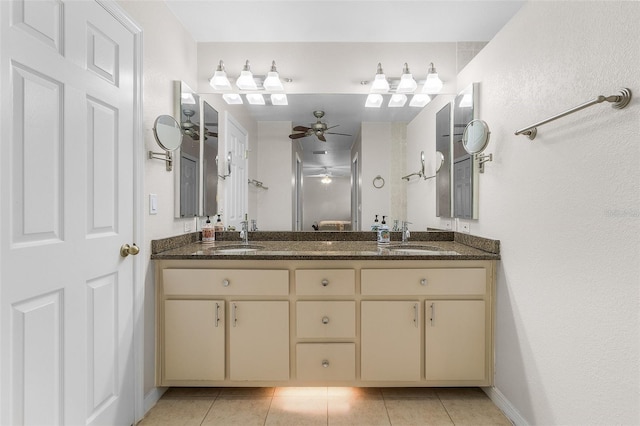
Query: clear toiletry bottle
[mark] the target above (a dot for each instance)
(208, 232)
(375, 225)
(219, 227)
(384, 236)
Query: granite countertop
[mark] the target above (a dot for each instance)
(328, 245)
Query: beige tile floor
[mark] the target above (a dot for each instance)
(324, 406)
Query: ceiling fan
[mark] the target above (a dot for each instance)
(319, 129)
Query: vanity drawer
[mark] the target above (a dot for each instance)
(436, 281)
(221, 282)
(326, 319)
(325, 282)
(326, 361)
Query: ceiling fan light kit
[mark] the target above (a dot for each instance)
(317, 129)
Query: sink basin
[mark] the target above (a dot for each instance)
(416, 249)
(238, 248)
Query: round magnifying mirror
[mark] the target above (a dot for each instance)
(167, 132)
(476, 136)
(439, 160)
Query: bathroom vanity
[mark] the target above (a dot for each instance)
(329, 313)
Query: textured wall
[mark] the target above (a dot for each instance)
(566, 208)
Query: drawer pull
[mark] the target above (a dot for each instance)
(325, 320)
(423, 281)
(325, 282)
(325, 363)
(226, 282)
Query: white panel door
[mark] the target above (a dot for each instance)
(68, 86)
(236, 187)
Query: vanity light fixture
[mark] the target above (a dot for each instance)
(374, 100)
(245, 81)
(419, 100)
(380, 83)
(433, 84)
(272, 83)
(232, 99)
(397, 100)
(279, 99)
(219, 81)
(407, 83)
(255, 98)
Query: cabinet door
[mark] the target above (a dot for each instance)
(390, 340)
(455, 340)
(194, 340)
(259, 340)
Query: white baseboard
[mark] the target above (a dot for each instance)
(505, 405)
(152, 397)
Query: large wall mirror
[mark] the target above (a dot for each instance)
(465, 167)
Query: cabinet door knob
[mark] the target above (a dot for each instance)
(325, 320)
(325, 363)
(225, 282)
(423, 281)
(325, 282)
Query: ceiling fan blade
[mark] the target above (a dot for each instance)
(301, 129)
(332, 127)
(297, 135)
(341, 134)
(321, 137)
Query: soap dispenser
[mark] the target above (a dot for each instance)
(375, 225)
(208, 232)
(384, 236)
(219, 227)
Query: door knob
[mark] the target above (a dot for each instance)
(127, 250)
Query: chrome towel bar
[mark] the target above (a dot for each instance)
(619, 101)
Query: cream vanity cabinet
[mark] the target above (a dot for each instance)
(217, 320)
(441, 334)
(288, 322)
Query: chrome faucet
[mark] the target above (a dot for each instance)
(244, 234)
(405, 232)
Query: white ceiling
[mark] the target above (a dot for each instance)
(310, 41)
(343, 21)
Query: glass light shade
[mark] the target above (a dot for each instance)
(279, 99)
(466, 101)
(272, 83)
(187, 98)
(255, 99)
(433, 84)
(245, 81)
(380, 84)
(232, 98)
(407, 84)
(397, 100)
(373, 101)
(219, 81)
(419, 100)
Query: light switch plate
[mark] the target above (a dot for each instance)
(153, 203)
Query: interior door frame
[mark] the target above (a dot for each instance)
(120, 15)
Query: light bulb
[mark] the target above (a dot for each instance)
(219, 81)
(407, 83)
(380, 83)
(245, 81)
(433, 84)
